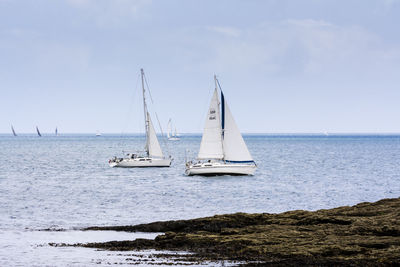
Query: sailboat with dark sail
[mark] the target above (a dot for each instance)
(38, 132)
(222, 149)
(13, 131)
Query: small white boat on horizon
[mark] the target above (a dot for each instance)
(153, 156)
(98, 133)
(222, 149)
(172, 136)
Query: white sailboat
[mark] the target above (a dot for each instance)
(222, 149)
(153, 156)
(98, 133)
(172, 136)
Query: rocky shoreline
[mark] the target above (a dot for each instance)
(364, 234)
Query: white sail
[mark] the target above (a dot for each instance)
(211, 142)
(221, 140)
(235, 149)
(169, 131)
(153, 145)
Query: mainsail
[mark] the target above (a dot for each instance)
(13, 131)
(56, 132)
(211, 142)
(37, 130)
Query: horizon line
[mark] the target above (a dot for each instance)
(200, 133)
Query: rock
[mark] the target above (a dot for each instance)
(365, 234)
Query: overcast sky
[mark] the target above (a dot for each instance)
(285, 66)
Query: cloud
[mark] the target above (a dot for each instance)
(304, 47)
(227, 31)
(19, 33)
(29, 53)
(308, 23)
(390, 3)
(110, 12)
(341, 48)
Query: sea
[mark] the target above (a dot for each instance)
(63, 183)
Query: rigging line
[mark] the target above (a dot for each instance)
(222, 106)
(155, 112)
(152, 102)
(218, 84)
(204, 103)
(130, 109)
(132, 98)
(147, 85)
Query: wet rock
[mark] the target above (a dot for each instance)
(365, 234)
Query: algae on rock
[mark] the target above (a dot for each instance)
(364, 234)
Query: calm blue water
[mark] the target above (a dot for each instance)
(65, 181)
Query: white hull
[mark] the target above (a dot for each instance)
(140, 162)
(221, 145)
(154, 156)
(174, 139)
(220, 169)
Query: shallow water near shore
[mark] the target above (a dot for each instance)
(65, 182)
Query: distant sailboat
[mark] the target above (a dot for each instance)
(56, 132)
(172, 136)
(37, 130)
(153, 156)
(222, 146)
(13, 131)
(98, 133)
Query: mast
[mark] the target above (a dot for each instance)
(211, 141)
(222, 114)
(146, 120)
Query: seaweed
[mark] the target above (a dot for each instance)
(365, 234)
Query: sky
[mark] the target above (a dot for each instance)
(306, 66)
